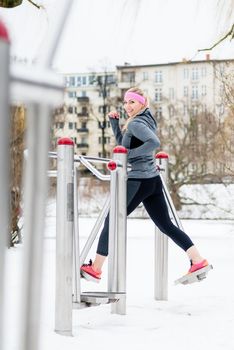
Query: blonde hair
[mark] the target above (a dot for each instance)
(141, 93)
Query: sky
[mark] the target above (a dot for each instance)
(106, 33)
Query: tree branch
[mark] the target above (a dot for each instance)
(36, 5)
(230, 33)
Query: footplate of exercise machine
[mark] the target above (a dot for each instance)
(196, 276)
(97, 298)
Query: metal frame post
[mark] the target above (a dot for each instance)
(118, 243)
(64, 236)
(161, 245)
(35, 186)
(4, 159)
(76, 242)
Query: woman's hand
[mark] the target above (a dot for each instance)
(113, 115)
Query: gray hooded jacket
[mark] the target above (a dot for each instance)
(141, 141)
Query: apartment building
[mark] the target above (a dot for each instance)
(187, 89)
(88, 97)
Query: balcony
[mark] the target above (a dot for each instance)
(83, 99)
(82, 145)
(125, 84)
(83, 115)
(83, 130)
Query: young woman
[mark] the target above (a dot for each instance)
(144, 183)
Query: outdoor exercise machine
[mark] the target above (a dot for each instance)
(68, 256)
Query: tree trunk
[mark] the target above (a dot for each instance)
(16, 154)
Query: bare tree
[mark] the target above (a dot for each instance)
(191, 141)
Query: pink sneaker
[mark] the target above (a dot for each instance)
(89, 273)
(195, 267)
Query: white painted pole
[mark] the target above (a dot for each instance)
(112, 277)
(4, 160)
(120, 155)
(161, 244)
(64, 236)
(35, 194)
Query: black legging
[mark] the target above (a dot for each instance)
(148, 191)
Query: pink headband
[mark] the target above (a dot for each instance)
(134, 96)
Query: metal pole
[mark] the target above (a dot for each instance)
(112, 278)
(95, 231)
(161, 245)
(64, 237)
(120, 154)
(4, 159)
(35, 186)
(76, 240)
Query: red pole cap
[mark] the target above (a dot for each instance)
(65, 141)
(162, 155)
(112, 165)
(120, 149)
(4, 33)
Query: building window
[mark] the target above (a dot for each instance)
(83, 93)
(91, 79)
(194, 92)
(70, 125)
(204, 109)
(186, 91)
(195, 74)
(145, 76)
(84, 140)
(203, 71)
(171, 110)
(158, 77)
(158, 95)
(110, 79)
(171, 93)
(72, 81)
(78, 81)
(203, 90)
(106, 140)
(158, 112)
(60, 125)
(84, 80)
(67, 81)
(186, 73)
(194, 111)
(186, 110)
(128, 77)
(71, 94)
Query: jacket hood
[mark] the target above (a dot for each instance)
(148, 118)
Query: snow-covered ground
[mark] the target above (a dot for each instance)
(198, 316)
